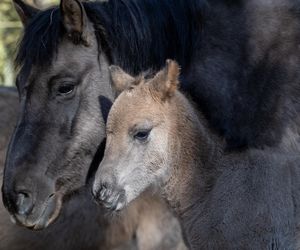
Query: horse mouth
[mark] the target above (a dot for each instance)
(49, 213)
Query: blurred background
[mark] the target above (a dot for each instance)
(10, 32)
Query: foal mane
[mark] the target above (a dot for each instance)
(135, 34)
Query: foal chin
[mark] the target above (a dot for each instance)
(116, 185)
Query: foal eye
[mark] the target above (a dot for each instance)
(66, 89)
(142, 135)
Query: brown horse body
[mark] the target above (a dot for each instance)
(245, 200)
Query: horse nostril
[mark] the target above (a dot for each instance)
(24, 202)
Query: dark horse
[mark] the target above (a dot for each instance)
(239, 61)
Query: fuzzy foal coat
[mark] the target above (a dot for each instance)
(246, 200)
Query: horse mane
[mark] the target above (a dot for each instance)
(135, 34)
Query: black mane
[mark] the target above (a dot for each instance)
(145, 32)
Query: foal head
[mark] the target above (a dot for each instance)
(139, 134)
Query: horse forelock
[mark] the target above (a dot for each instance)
(39, 42)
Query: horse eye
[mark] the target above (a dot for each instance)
(142, 135)
(66, 89)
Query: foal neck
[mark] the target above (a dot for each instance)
(195, 149)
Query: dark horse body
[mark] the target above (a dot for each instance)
(239, 62)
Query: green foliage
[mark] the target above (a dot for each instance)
(10, 31)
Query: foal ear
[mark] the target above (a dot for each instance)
(25, 11)
(166, 81)
(120, 79)
(74, 20)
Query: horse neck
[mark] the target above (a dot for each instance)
(148, 32)
(195, 152)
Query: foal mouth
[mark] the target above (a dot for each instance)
(49, 214)
(113, 200)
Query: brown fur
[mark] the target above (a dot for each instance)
(170, 77)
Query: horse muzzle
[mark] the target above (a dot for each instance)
(38, 217)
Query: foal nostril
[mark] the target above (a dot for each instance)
(24, 203)
(97, 190)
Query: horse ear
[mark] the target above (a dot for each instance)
(166, 81)
(120, 79)
(75, 20)
(25, 11)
